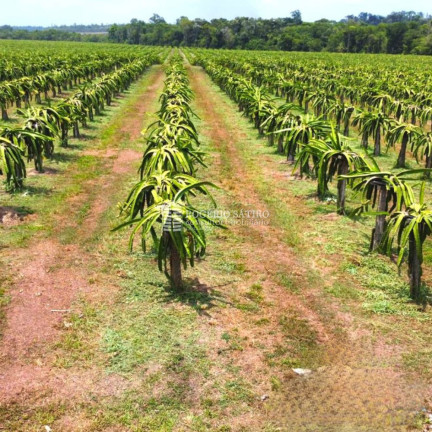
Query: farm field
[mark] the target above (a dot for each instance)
(278, 309)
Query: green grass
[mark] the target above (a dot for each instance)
(45, 194)
(255, 293)
(313, 236)
(145, 330)
(420, 362)
(16, 417)
(4, 301)
(148, 335)
(288, 281)
(301, 348)
(175, 360)
(364, 284)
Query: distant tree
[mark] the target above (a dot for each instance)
(157, 19)
(296, 16)
(398, 33)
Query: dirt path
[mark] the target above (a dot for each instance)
(53, 275)
(273, 316)
(356, 384)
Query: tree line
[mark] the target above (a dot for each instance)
(51, 34)
(397, 33)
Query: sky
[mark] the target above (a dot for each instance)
(59, 12)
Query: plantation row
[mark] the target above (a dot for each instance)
(161, 203)
(23, 89)
(34, 139)
(391, 101)
(20, 59)
(318, 150)
(67, 74)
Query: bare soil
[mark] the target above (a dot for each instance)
(10, 216)
(356, 383)
(53, 276)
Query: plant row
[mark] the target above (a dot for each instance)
(318, 150)
(391, 106)
(163, 204)
(23, 89)
(41, 127)
(27, 58)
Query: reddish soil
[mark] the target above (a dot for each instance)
(53, 276)
(138, 114)
(122, 163)
(357, 385)
(10, 216)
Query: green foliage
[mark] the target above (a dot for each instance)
(369, 180)
(12, 164)
(160, 204)
(328, 157)
(415, 221)
(323, 153)
(403, 32)
(20, 82)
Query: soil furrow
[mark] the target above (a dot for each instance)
(355, 384)
(53, 275)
